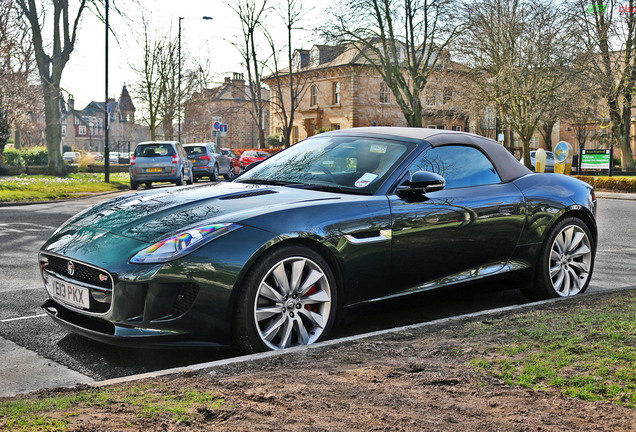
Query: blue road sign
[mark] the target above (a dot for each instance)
(223, 128)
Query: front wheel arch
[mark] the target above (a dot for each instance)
(264, 252)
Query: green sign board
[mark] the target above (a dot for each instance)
(595, 159)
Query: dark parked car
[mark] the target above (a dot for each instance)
(208, 161)
(250, 156)
(160, 161)
(342, 219)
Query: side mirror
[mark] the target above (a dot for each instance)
(422, 182)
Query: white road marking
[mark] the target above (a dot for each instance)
(22, 318)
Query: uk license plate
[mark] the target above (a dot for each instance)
(153, 170)
(193, 160)
(68, 293)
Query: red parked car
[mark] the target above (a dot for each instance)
(236, 163)
(251, 156)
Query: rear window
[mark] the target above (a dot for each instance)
(195, 150)
(154, 150)
(229, 153)
(250, 153)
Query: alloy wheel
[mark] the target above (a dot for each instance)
(293, 303)
(570, 261)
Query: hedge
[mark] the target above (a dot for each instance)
(30, 156)
(616, 183)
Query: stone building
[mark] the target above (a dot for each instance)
(340, 89)
(231, 104)
(84, 129)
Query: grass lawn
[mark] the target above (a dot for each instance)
(43, 188)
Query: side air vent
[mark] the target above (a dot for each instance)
(248, 194)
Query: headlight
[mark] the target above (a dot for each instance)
(182, 244)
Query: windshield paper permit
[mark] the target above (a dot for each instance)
(365, 180)
(378, 148)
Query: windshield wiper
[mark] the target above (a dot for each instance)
(270, 182)
(331, 188)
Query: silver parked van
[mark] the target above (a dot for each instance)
(160, 161)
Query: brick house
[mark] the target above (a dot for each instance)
(84, 129)
(231, 104)
(341, 90)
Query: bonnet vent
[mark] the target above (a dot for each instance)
(248, 194)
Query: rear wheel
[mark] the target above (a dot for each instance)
(230, 174)
(190, 179)
(134, 185)
(566, 260)
(179, 181)
(289, 299)
(214, 175)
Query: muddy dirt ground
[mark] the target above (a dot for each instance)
(415, 380)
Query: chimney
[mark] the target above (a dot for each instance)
(238, 86)
(71, 103)
(227, 80)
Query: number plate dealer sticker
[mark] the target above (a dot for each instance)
(68, 293)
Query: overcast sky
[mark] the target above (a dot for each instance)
(84, 74)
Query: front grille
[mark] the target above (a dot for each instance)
(83, 273)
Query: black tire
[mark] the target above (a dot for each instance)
(195, 179)
(566, 260)
(179, 181)
(134, 185)
(214, 175)
(190, 179)
(299, 308)
(148, 184)
(230, 174)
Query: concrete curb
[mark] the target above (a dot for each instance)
(208, 366)
(626, 196)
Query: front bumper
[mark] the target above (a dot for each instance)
(187, 302)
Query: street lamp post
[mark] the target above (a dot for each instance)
(106, 113)
(179, 79)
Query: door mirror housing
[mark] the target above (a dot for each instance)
(422, 182)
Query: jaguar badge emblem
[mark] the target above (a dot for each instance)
(70, 267)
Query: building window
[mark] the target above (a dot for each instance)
(296, 61)
(534, 142)
(314, 57)
(448, 95)
(336, 93)
(385, 93)
(82, 130)
(335, 126)
(440, 127)
(63, 130)
(314, 95)
(295, 134)
(456, 128)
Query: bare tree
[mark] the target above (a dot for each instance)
(401, 39)
(521, 53)
(19, 97)
(65, 23)
(252, 14)
(289, 87)
(609, 29)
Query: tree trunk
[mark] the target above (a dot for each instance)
(17, 139)
(53, 129)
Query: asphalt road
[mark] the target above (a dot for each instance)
(23, 229)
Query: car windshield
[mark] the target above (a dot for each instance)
(154, 150)
(195, 150)
(348, 164)
(249, 153)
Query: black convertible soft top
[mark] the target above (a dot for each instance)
(506, 165)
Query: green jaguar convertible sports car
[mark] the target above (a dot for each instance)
(274, 258)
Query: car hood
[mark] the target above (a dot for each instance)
(154, 214)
